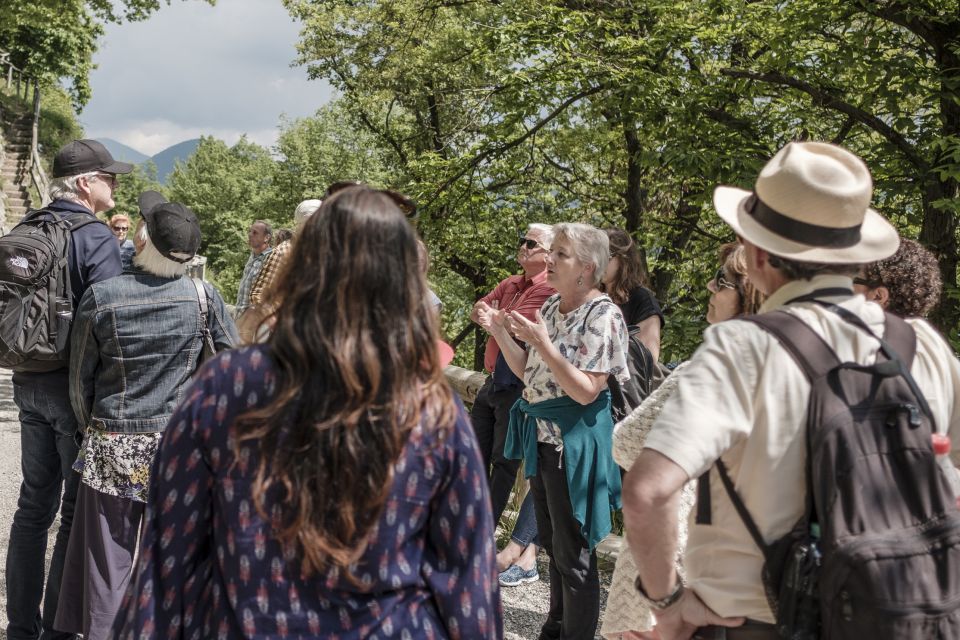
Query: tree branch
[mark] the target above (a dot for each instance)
(826, 99)
(499, 149)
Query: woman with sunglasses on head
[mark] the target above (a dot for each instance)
(731, 295)
(327, 480)
(626, 285)
(562, 426)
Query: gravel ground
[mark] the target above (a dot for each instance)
(524, 607)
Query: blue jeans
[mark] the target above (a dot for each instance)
(48, 448)
(525, 528)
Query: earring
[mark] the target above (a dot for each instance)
(580, 280)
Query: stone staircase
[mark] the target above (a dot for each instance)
(14, 174)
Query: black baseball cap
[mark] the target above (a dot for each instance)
(173, 227)
(82, 156)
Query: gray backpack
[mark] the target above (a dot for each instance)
(36, 301)
(877, 553)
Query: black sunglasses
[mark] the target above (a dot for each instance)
(530, 243)
(871, 284)
(404, 203)
(721, 282)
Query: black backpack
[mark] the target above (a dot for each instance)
(36, 301)
(627, 396)
(877, 553)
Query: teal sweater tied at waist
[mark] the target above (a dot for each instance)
(593, 478)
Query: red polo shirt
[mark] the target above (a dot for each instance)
(517, 293)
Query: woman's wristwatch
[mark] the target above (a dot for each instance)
(662, 603)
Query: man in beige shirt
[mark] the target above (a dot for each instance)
(806, 229)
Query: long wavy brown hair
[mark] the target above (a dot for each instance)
(630, 275)
(355, 348)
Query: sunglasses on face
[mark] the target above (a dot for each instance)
(720, 282)
(107, 178)
(529, 243)
(870, 284)
(404, 203)
(120, 228)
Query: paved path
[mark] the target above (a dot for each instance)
(524, 607)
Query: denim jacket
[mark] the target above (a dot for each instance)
(135, 342)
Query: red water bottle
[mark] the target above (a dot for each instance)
(941, 448)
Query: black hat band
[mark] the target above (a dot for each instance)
(802, 232)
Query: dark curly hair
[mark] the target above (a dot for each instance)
(911, 275)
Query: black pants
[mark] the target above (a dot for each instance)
(491, 417)
(574, 581)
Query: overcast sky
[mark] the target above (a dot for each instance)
(192, 70)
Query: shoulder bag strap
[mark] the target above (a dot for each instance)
(815, 358)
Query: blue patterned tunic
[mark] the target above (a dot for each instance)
(210, 569)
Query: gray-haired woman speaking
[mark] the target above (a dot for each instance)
(562, 425)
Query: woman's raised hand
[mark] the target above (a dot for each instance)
(532, 333)
(490, 318)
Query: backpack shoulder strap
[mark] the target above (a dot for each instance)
(201, 298)
(808, 349)
(77, 220)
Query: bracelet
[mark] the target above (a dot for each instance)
(662, 603)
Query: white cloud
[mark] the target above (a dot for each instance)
(151, 137)
(193, 70)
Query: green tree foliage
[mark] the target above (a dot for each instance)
(314, 152)
(130, 186)
(627, 113)
(228, 188)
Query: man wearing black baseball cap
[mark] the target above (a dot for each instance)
(137, 339)
(84, 179)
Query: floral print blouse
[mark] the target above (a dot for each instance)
(209, 567)
(117, 464)
(593, 337)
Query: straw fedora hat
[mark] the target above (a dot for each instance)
(811, 202)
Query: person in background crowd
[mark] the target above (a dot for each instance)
(261, 305)
(806, 229)
(120, 225)
(326, 481)
(280, 236)
(83, 182)
(490, 414)
(423, 257)
(563, 421)
(628, 616)
(624, 282)
(259, 237)
(906, 284)
(132, 356)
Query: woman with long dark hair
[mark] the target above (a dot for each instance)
(326, 480)
(626, 284)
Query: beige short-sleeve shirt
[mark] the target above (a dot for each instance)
(743, 397)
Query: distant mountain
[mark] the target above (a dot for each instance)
(167, 159)
(122, 152)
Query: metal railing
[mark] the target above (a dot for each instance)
(34, 165)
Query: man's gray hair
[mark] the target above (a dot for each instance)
(65, 188)
(799, 270)
(590, 245)
(545, 231)
(152, 261)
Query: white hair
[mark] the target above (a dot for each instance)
(591, 245)
(152, 261)
(545, 231)
(65, 188)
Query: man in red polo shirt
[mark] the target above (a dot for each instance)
(525, 294)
